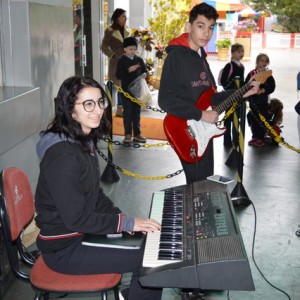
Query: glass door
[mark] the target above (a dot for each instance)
(79, 38)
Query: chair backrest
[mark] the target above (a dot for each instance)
(17, 203)
(16, 213)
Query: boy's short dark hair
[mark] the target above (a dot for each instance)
(203, 9)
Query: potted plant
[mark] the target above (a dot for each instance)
(244, 30)
(223, 46)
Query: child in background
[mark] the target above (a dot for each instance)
(231, 70)
(129, 67)
(260, 101)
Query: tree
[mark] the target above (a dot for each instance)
(169, 18)
(287, 11)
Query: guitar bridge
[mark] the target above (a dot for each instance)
(190, 132)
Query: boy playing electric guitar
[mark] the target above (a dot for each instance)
(186, 75)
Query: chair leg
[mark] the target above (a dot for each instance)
(104, 295)
(116, 292)
(41, 296)
(37, 296)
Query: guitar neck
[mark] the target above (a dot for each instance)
(235, 97)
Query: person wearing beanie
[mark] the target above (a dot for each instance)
(129, 67)
(130, 41)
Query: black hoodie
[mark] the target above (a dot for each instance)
(186, 75)
(69, 200)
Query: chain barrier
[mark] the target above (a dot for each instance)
(257, 115)
(261, 120)
(135, 145)
(133, 99)
(129, 173)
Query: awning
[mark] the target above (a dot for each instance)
(222, 5)
(248, 12)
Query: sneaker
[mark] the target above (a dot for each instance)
(124, 293)
(252, 142)
(259, 143)
(127, 138)
(139, 139)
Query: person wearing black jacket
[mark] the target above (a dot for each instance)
(129, 67)
(233, 69)
(186, 75)
(69, 200)
(259, 103)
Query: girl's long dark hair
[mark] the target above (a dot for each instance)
(64, 124)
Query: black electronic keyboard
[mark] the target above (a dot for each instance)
(200, 245)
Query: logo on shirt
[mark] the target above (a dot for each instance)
(203, 81)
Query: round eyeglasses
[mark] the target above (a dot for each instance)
(89, 105)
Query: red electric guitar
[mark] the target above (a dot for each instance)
(190, 138)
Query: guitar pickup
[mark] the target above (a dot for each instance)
(193, 152)
(190, 132)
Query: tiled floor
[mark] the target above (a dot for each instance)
(271, 181)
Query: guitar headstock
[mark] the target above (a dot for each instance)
(262, 76)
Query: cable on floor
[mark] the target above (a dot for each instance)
(253, 244)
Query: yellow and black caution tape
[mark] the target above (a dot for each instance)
(129, 173)
(277, 138)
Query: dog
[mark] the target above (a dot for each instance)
(275, 119)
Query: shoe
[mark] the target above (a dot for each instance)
(139, 139)
(124, 293)
(119, 111)
(252, 142)
(259, 143)
(127, 138)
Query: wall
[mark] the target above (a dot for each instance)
(275, 40)
(40, 36)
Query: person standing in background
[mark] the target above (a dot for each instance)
(112, 47)
(232, 70)
(77, 31)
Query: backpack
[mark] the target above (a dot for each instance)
(221, 72)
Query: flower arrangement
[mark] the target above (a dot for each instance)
(247, 25)
(160, 50)
(145, 38)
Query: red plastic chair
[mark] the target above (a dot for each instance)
(16, 213)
